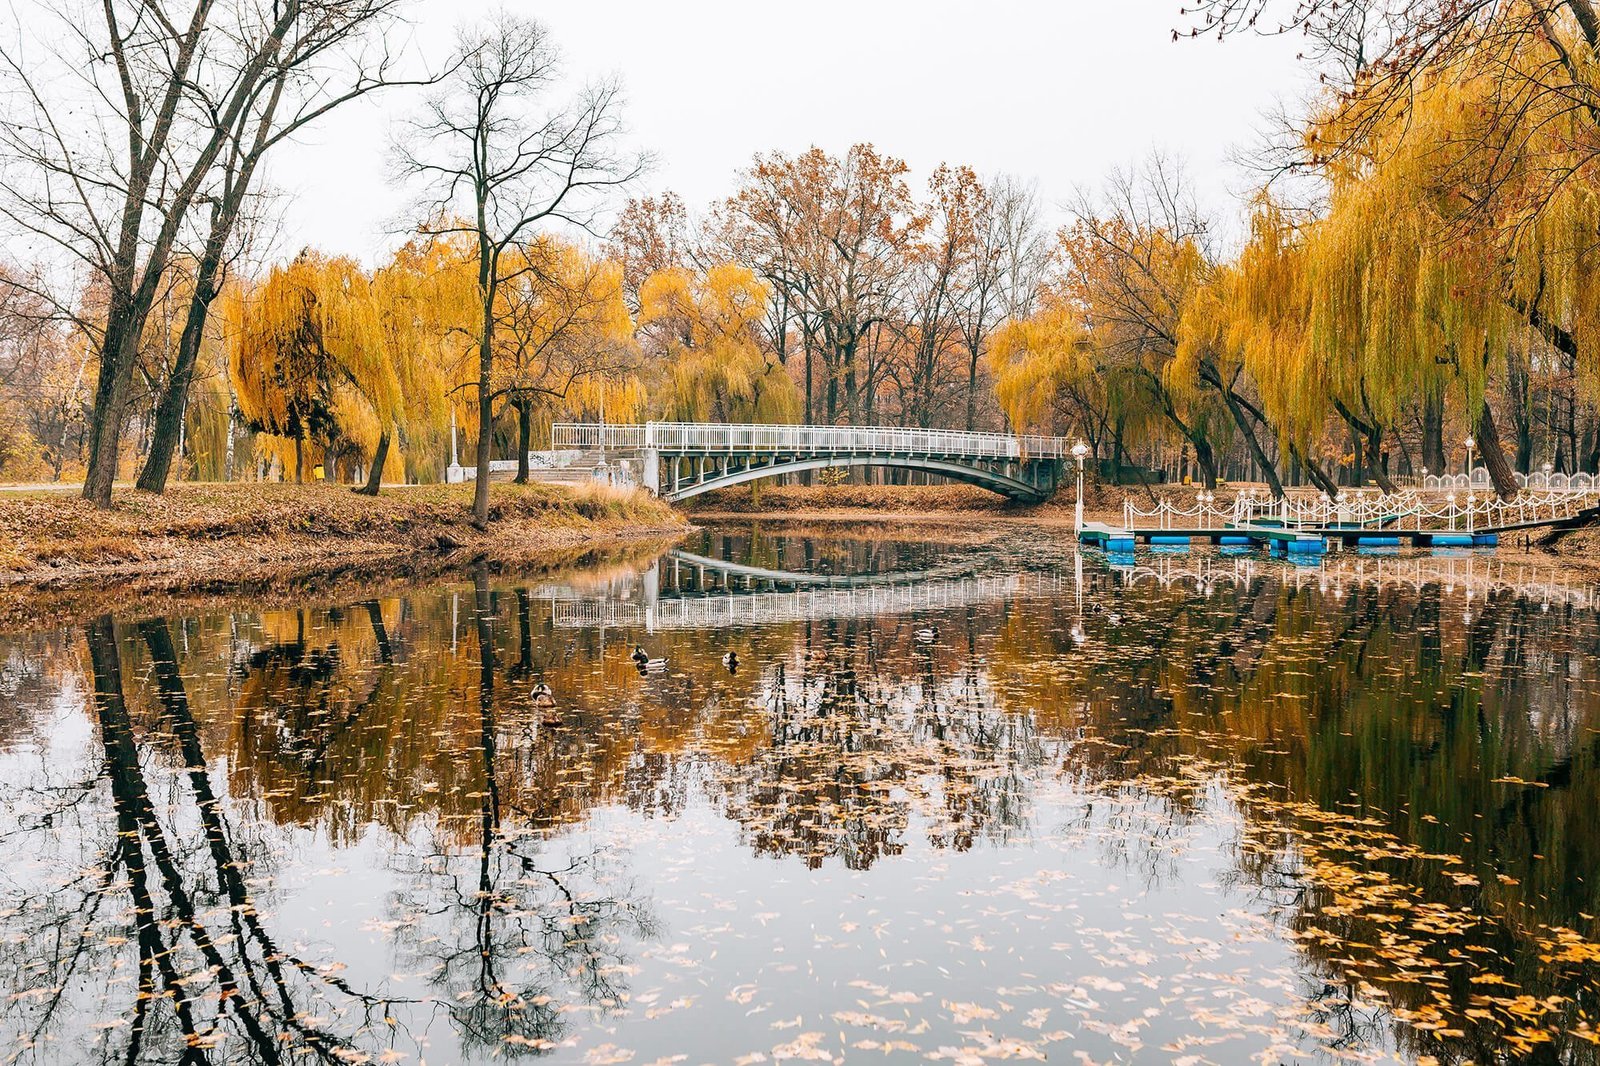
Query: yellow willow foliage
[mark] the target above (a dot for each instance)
(1556, 271)
(1034, 358)
(426, 295)
(1254, 312)
(311, 355)
(1459, 217)
(706, 326)
(564, 334)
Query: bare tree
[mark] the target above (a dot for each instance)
(115, 127)
(1009, 259)
(334, 54)
(498, 160)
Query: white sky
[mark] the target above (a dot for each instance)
(1053, 91)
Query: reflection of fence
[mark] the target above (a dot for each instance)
(1472, 576)
(593, 614)
(734, 608)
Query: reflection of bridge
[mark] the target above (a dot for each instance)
(687, 591)
(679, 459)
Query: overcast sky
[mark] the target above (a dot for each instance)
(1054, 91)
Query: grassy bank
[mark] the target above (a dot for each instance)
(900, 502)
(215, 535)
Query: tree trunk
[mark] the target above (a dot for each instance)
(1314, 473)
(480, 491)
(1494, 456)
(1268, 470)
(375, 476)
(299, 459)
(524, 438)
(110, 395)
(973, 355)
(1433, 460)
(1206, 457)
(174, 398)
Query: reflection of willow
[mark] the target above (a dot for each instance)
(1368, 734)
(509, 937)
(212, 984)
(859, 744)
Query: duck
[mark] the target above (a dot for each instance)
(648, 665)
(640, 656)
(927, 634)
(731, 662)
(544, 697)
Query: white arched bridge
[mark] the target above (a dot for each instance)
(678, 460)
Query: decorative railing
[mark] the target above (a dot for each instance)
(1538, 481)
(811, 440)
(1377, 511)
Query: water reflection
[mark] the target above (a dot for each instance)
(1206, 804)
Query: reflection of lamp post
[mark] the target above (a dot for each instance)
(1079, 450)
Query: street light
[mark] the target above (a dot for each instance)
(1469, 443)
(1079, 450)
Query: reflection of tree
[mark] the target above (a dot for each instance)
(1369, 731)
(212, 984)
(859, 745)
(512, 941)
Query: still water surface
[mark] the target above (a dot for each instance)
(955, 803)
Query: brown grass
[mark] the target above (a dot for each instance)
(213, 535)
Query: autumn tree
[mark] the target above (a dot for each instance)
(498, 159)
(705, 327)
(564, 335)
(187, 87)
(311, 359)
(830, 235)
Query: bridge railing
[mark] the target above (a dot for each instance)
(710, 437)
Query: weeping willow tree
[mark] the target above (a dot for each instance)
(1048, 379)
(705, 328)
(311, 360)
(1456, 249)
(426, 298)
(564, 338)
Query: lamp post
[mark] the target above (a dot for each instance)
(1079, 450)
(1470, 443)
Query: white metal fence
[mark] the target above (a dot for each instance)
(1538, 481)
(1464, 511)
(711, 437)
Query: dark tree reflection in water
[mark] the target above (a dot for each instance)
(960, 803)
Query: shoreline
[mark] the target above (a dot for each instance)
(59, 555)
(199, 543)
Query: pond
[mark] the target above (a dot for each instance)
(963, 802)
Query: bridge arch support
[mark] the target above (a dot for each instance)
(1025, 480)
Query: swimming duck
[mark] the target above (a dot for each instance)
(543, 696)
(731, 662)
(639, 655)
(648, 665)
(927, 634)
